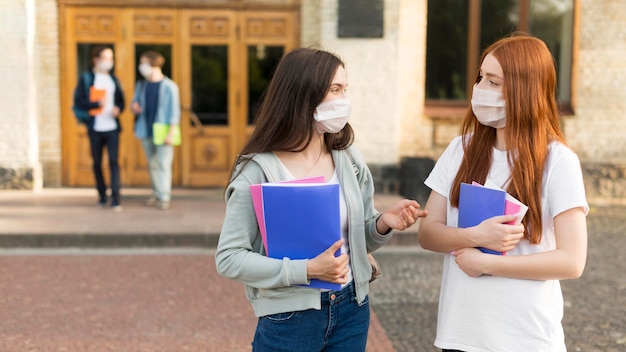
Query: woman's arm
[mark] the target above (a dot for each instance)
(435, 235)
(400, 216)
(237, 256)
(567, 261)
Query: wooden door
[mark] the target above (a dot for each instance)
(210, 67)
(148, 30)
(221, 60)
(82, 29)
(228, 58)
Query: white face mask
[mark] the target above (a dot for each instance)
(145, 69)
(489, 107)
(105, 66)
(332, 116)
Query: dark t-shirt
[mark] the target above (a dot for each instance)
(152, 98)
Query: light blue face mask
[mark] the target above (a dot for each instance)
(332, 116)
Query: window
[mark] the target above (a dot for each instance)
(458, 31)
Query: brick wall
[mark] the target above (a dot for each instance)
(386, 86)
(597, 130)
(19, 147)
(386, 75)
(387, 80)
(48, 91)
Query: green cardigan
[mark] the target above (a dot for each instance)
(270, 283)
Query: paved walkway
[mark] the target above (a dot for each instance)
(62, 217)
(169, 298)
(105, 300)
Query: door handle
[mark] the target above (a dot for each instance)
(194, 119)
(209, 153)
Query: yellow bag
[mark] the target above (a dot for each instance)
(160, 131)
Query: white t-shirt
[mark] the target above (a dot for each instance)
(491, 313)
(105, 121)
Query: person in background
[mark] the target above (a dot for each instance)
(103, 126)
(156, 100)
(302, 130)
(511, 136)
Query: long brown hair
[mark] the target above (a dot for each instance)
(285, 121)
(532, 123)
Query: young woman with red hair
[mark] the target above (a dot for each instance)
(511, 136)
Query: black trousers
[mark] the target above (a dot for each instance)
(98, 141)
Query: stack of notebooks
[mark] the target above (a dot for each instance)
(298, 219)
(478, 203)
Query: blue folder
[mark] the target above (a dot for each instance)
(478, 203)
(302, 220)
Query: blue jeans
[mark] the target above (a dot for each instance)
(341, 325)
(160, 158)
(110, 140)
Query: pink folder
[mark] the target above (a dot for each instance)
(511, 206)
(257, 201)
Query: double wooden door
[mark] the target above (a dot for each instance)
(221, 60)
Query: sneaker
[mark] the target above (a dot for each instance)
(153, 200)
(163, 205)
(116, 207)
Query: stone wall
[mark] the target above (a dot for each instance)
(386, 86)
(16, 178)
(47, 80)
(18, 150)
(30, 96)
(596, 131)
(387, 80)
(605, 183)
(385, 74)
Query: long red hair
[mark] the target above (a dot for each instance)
(532, 123)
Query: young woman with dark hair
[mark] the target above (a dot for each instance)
(301, 130)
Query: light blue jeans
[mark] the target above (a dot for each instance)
(340, 326)
(160, 158)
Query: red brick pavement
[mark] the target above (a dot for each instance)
(122, 302)
(153, 302)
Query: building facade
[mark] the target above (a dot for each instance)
(221, 53)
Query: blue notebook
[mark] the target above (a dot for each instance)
(478, 203)
(301, 221)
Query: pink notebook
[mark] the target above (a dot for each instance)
(257, 201)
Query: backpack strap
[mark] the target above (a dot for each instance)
(87, 82)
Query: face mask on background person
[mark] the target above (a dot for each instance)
(489, 107)
(332, 116)
(145, 69)
(105, 66)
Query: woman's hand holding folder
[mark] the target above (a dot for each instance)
(327, 267)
